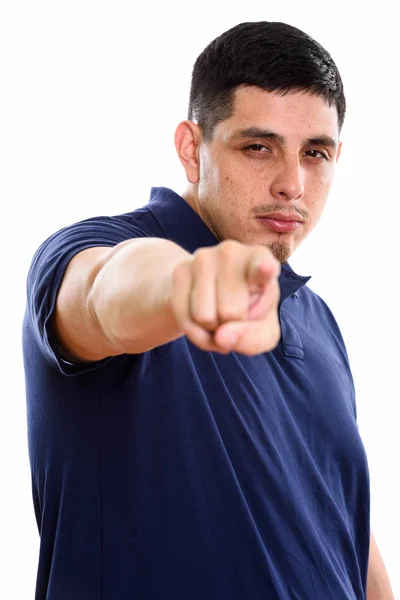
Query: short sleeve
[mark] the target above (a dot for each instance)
(47, 271)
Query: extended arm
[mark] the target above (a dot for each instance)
(146, 292)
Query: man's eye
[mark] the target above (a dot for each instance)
(316, 154)
(257, 148)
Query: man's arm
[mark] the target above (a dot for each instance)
(114, 300)
(378, 585)
(146, 292)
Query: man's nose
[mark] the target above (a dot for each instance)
(288, 183)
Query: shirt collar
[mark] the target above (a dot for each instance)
(183, 225)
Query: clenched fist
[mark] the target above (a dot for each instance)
(225, 298)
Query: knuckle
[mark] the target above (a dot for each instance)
(202, 257)
(203, 250)
(229, 249)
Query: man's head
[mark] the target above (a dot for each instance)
(266, 108)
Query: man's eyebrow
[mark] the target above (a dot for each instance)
(267, 134)
(258, 132)
(321, 140)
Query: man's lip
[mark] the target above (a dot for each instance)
(280, 225)
(281, 217)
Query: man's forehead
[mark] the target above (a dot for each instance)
(293, 111)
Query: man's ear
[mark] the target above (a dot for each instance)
(338, 151)
(187, 142)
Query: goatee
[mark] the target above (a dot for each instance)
(280, 251)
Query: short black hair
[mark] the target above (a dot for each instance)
(273, 56)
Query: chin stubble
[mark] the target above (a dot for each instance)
(280, 251)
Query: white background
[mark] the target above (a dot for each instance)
(91, 93)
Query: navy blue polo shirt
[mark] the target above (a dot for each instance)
(180, 474)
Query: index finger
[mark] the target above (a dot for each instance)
(261, 269)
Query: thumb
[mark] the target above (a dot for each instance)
(249, 337)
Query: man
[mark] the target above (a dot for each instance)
(192, 419)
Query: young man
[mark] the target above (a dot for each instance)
(192, 419)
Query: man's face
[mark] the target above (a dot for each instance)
(265, 175)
